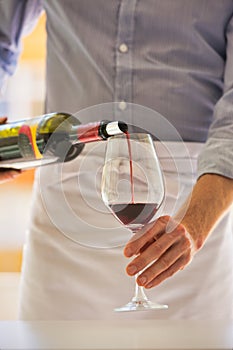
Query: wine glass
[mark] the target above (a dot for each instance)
(133, 189)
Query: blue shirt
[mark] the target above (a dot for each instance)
(174, 56)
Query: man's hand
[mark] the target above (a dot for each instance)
(164, 252)
(166, 245)
(7, 174)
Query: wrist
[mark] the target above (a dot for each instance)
(196, 237)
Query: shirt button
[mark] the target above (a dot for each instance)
(123, 48)
(122, 105)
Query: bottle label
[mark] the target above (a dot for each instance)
(27, 142)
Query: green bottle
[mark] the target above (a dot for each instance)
(51, 138)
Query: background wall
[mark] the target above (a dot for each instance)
(23, 98)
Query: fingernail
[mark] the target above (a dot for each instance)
(128, 252)
(149, 285)
(142, 280)
(132, 269)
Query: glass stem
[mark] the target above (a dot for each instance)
(139, 294)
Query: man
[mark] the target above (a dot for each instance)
(174, 57)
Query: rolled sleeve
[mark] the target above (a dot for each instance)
(216, 158)
(217, 154)
(17, 18)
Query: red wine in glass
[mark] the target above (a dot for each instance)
(137, 214)
(134, 213)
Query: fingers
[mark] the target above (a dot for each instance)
(3, 120)
(146, 236)
(5, 173)
(169, 263)
(8, 174)
(161, 258)
(175, 267)
(164, 252)
(153, 252)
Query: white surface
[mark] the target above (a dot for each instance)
(123, 334)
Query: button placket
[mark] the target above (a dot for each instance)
(124, 42)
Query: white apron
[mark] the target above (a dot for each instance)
(62, 279)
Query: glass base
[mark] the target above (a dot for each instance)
(140, 305)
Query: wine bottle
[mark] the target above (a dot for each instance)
(51, 138)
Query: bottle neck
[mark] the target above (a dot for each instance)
(88, 132)
(99, 130)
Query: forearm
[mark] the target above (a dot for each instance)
(165, 246)
(210, 199)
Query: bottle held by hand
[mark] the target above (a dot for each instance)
(51, 138)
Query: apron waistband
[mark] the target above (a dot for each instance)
(178, 157)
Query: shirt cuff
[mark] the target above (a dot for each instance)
(3, 81)
(216, 158)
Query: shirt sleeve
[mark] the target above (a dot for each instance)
(18, 17)
(217, 154)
